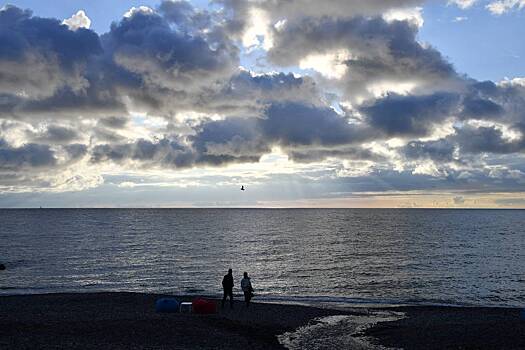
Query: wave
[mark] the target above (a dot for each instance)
(341, 301)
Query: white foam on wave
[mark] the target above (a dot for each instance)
(338, 332)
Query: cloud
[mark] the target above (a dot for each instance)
(145, 10)
(54, 134)
(143, 153)
(294, 9)
(380, 55)
(40, 57)
(114, 122)
(156, 62)
(464, 4)
(439, 150)
(476, 108)
(78, 20)
(374, 108)
(291, 125)
(410, 115)
(502, 6)
(486, 140)
(26, 156)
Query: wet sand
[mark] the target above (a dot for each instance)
(452, 328)
(129, 321)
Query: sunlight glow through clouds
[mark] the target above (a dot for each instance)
(351, 98)
(331, 65)
(258, 34)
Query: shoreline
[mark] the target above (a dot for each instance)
(120, 320)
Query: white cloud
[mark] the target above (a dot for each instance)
(331, 65)
(143, 9)
(512, 82)
(383, 88)
(502, 6)
(428, 168)
(413, 15)
(77, 21)
(464, 4)
(258, 33)
(460, 19)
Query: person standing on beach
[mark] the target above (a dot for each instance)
(227, 286)
(246, 286)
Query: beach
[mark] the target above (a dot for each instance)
(129, 321)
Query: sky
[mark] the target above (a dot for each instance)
(398, 103)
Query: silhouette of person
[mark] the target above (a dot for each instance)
(246, 286)
(227, 286)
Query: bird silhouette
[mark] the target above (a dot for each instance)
(242, 188)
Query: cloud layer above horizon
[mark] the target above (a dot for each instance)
(346, 99)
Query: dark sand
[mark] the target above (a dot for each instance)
(129, 321)
(452, 328)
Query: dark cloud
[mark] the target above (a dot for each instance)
(439, 150)
(27, 156)
(32, 158)
(381, 52)
(55, 134)
(477, 108)
(81, 90)
(113, 122)
(485, 140)
(21, 33)
(76, 151)
(40, 55)
(184, 15)
(291, 125)
(143, 62)
(164, 68)
(164, 152)
(148, 41)
(316, 154)
(249, 94)
(297, 124)
(104, 135)
(239, 11)
(398, 115)
(233, 139)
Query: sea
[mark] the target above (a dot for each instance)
(312, 256)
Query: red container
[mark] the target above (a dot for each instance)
(204, 306)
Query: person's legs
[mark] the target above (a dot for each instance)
(247, 297)
(231, 298)
(225, 294)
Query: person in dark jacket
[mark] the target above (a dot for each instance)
(227, 286)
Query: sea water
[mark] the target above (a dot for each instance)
(338, 256)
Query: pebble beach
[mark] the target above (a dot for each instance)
(129, 321)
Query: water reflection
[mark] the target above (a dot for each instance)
(459, 256)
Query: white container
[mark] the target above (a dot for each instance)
(185, 307)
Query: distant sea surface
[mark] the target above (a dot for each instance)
(349, 256)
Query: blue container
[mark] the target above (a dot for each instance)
(167, 305)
